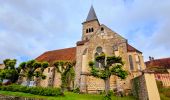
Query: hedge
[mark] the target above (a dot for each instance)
(32, 90)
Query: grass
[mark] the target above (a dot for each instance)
(68, 96)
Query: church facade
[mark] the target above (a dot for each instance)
(96, 38)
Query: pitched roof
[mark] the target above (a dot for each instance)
(67, 54)
(161, 63)
(132, 49)
(91, 15)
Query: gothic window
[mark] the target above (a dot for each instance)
(87, 30)
(96, 63)
(102, 29)
(98, 52)
(131, 62)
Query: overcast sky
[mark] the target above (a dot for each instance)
(30, 27)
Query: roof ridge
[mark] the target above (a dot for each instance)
(60, 49)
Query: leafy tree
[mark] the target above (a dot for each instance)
(67, 73)
(33, 69)
(10, 71)
(111, 65)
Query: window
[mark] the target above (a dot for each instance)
(99, 51)
(102, 29)
(91, 29)
(96, 63)
(131, 62)
(87, 31)
(48, 70)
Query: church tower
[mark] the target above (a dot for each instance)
(91, 24)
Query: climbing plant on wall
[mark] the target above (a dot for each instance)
(66, 70)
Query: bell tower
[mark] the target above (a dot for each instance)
(91, 25)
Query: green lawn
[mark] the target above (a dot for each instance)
(68, 96)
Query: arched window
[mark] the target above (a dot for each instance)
(96, 63)
(92, 30)
(87, 31)
(99, 51)
(131, 62)
(102, 29)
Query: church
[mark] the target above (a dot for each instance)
(96, 38)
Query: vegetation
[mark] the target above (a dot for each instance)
(67, 73)
(164, 91)
(10, 71)
(110, 66)
(33, 69)
(32, 90)
(68, 96)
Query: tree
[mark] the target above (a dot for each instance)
(10, 71)
(33, 69)
(111, 65)
(66, 70)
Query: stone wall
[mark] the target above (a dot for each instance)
(144, 87)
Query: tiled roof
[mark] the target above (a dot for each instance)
(67, 54)
(132, 49)
(81, 42)
(161, 63)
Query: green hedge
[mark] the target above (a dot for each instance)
(32, 90)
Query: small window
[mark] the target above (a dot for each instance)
(87, 31)
(48, 70)
(92, 30)
(102, 29)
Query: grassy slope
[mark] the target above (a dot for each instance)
(69, 96)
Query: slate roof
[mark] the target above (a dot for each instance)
(91, 15)
(67, 54)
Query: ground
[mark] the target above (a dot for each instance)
(68, 96)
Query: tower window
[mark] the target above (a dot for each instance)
(102, 29)
(91, 29)
(87, 31)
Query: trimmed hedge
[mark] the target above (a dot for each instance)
(32, 90)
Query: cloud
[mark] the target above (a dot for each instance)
(30, 27)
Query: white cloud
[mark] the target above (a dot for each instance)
(30, 27)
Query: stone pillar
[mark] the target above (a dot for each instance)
(83, 84)
(151, 87)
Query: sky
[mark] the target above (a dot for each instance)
(29, 28)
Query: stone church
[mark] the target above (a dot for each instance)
(96, 38)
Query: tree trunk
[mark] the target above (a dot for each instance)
(107, 85)
(28, 81)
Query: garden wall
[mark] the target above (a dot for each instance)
(144, 87)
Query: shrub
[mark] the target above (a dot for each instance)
(76, 90)
(32, 90)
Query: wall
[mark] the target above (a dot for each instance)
(144, 87)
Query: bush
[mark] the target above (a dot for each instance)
(77, 90)
(32, 90)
